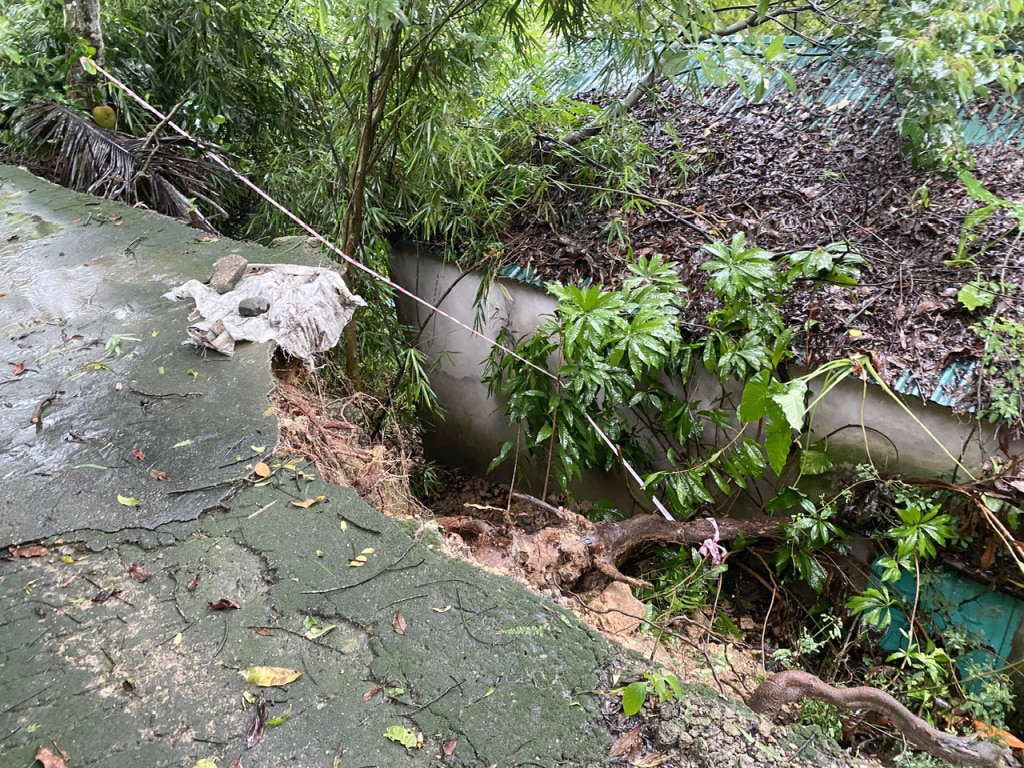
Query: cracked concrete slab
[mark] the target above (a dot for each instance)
(149, 674)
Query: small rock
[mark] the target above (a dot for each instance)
(253, 306)
(227, 272)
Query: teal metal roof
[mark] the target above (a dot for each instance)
(832, 79)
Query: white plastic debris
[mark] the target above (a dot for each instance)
(309, 308)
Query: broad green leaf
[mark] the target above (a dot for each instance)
(777, 444)
(755, 394)
(775, 47)
(791, 401)
(975, 294)
(633, 697)
(787, 498)
(814, 461)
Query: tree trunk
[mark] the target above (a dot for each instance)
(377, 88)
(82, 22)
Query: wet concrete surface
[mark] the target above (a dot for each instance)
(124, 451)
(99, 397)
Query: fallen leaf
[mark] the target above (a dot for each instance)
(128, 501)
(625, 743)
(138, 454)
(399, 623)
(371, 693)
(106, 594)
(405, 737)
(224, 604)
(206, 762)
(17, 369)
(32, 550)
(448, 748)
(988, 732)
(261, 470)
(307, 503)
(160, 475)
(283, 718)
(236, 763)
(268, 677)
(193, 583)
(138, 573)
(262, 631)
(988, 557)
(48, 759)
(177, 640)
(259, 719)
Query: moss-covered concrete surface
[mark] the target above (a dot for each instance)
(151, 675)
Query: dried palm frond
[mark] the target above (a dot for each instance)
(156, 172)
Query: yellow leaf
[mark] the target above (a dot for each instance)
(177, 640)
(267, 677)
(270, 411)
(128, 501)
(257, 448)
(206, 762)
(854, 332)
(261, 470)
(367, 551)
(67, 559)
(307, 503)
(356, 563)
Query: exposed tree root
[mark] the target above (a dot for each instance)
(580, 554)
(788, 687)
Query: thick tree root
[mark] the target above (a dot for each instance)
(585, 556)
(788, 687)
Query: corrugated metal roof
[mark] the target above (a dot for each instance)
(826, 77)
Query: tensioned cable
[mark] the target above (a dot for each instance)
(89, 65)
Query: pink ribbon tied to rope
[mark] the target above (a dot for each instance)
(711, 548)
